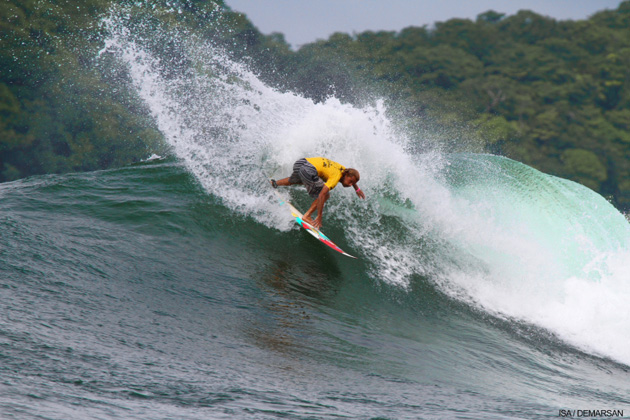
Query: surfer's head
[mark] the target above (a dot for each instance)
(350, 177)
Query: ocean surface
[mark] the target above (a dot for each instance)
(135, 294)
(178, 288)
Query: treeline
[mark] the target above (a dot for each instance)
(552, 94)
(65, 107)
(57, 113)
(62, 108)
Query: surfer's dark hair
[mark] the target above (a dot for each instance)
(352, 172)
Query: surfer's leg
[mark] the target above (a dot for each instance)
(309, 212)
(284, 182)
(308, 216)
(294, 178)
(309, 177)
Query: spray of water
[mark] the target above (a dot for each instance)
(496, 233)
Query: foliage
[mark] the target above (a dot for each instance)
(58, 111)
(552, 94)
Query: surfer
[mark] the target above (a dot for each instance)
(320, 175)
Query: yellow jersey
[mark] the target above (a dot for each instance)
(327, 170)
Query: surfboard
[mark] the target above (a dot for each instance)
(299, 219)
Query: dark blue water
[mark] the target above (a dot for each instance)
(134, 294)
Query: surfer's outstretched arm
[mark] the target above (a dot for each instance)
(358, 191)
(319, 206)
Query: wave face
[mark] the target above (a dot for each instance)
(551, 252)
(178, 288)
(490, 231)
(133, 293)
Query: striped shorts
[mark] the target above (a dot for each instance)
(305, 173)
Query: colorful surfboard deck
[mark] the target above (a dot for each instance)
(299, 218)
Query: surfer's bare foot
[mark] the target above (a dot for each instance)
(274, 183)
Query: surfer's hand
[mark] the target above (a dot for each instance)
(317, 224)
(360, 194)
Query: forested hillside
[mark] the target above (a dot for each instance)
(552, 94)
